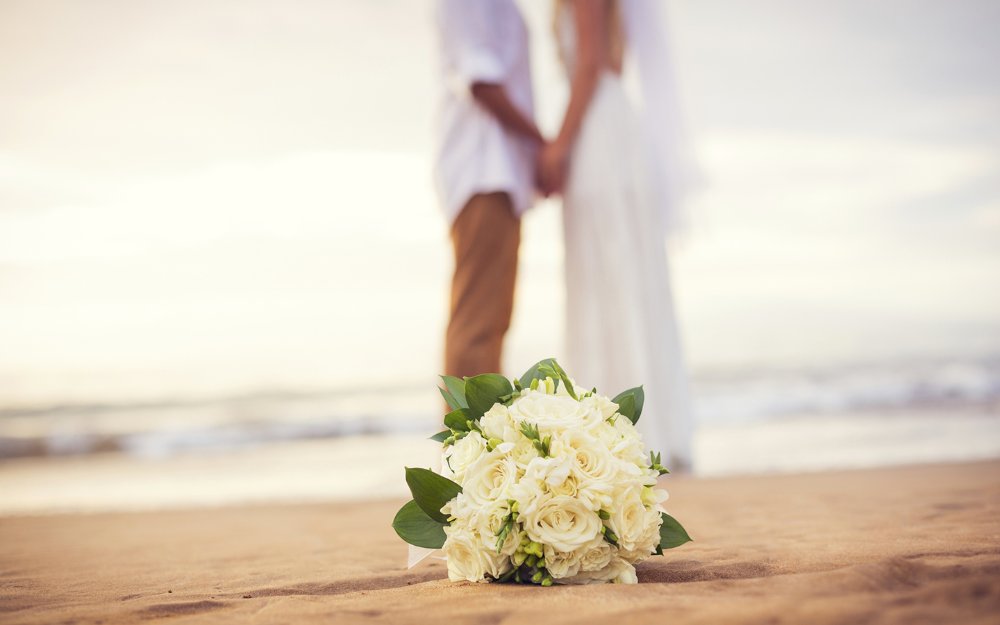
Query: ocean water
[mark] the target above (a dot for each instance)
(733, 401)
(220, 471)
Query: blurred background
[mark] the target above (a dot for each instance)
(224, 273)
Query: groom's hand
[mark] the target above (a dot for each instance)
(493, 98)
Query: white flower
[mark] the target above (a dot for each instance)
(654, 497)
(631, 521)
(585, 469)
(459, 508)
(629, 446)
(618, 571)
(569, 487)
(564, 523)
(543, 478)
(624, 572)
(550, 412)
(490, 478)
(590, 460)
(595, 555)
(602, 407)
(562, 564)
(489, 520)
(467, 560)
(458, 457)
(607, 434)
(523, 452)
(553, 470)
(497, 423)
(590, 557)
(593, 467)
(529, 493)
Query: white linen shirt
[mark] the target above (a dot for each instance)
(482, 41)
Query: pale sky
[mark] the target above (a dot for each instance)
(205, 197)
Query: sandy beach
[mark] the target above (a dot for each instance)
(897, 545)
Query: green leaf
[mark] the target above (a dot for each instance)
(458, 419)
(671, 533)
(440, 436)
(565, 379)
(547, 368)
(482, 391)
(630, 403)
(456, 387)
(626, 406)
(449, 399)
(431, 491)
(536, 372)
(415, 527)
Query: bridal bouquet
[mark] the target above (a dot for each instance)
(540, 483)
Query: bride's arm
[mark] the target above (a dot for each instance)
(589, 17)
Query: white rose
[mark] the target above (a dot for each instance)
(490, 478)
(569, 487)
(595, 555)
(465, 556)
(489, 520)
(497, 423)
(562, 564)
(590, 459)
(630, 519)
(625, 572)
(458, 457)
(563, 523)
(595, 470)
(646, 543)
(467, 560)
(618, 571)
(550, 412)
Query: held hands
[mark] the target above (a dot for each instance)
(551, 167)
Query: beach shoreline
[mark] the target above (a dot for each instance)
(902, 544)
(340, 468)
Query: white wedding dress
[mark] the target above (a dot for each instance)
(621, 329)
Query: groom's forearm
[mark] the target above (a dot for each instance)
(494, 98)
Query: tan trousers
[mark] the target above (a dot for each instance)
(485, 237)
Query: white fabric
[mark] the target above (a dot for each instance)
(415, 555)
(621, 329)
(482, 41)
(673, 166)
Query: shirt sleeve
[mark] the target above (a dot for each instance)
(470, 41)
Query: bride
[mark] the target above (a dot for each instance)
(614, 168)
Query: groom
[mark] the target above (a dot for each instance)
(485, 170)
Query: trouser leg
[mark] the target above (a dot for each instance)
(485, 237)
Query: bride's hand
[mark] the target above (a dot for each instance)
(553, 161)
